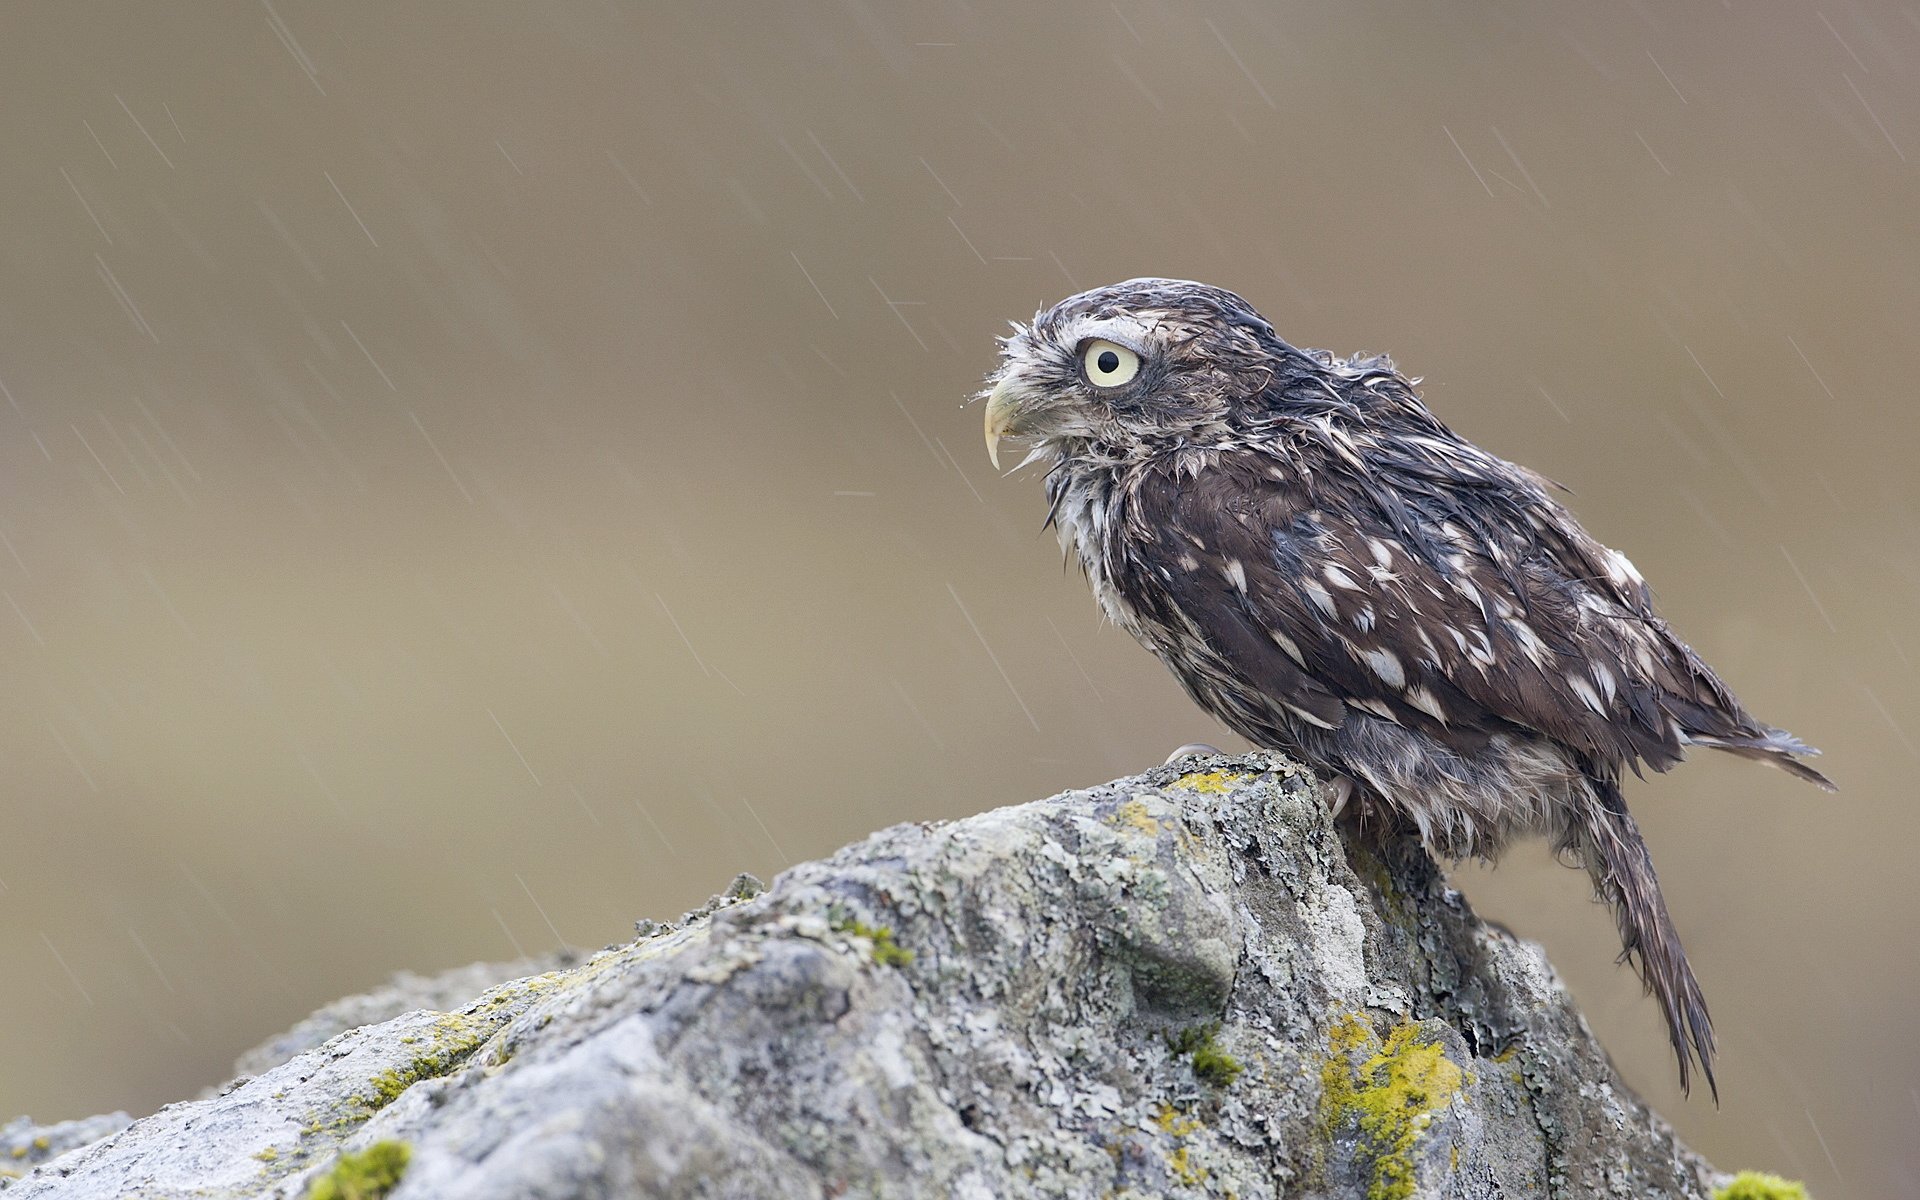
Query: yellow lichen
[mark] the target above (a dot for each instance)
(1390, 1089)
(1184, 1169)
(1212, 783)
(1758, 1185)
(1170, 1120)
(1175, 1124)
(1135, 814)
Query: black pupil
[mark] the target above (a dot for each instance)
(1108, 362)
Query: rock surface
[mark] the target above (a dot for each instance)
(403, 993)
(1183, 984)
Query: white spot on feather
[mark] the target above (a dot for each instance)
(1530, 643)
(1426, 643)
(1604, 677)
(1427, 702)
(1621, 570)
(1237, 573)
(1286, 643)
(1382, 553)
(1339, 578)
(1584, 690)
(1306, 716)
(1321, 597)
(1387, 666)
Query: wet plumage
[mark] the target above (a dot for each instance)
(1332, 572)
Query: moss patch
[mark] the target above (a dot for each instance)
(886, 951)
(366, 1175)
(1758, 1185)
(1211, 1064)
(1390, 1089)
(455, 1038)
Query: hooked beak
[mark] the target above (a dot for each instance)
(999, 420)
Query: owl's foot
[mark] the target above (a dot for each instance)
(1190, 750)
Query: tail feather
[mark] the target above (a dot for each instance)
(1622, 870)
(1775, 747)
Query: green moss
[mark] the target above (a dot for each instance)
(1390, 1089)
(886, 951)
(366, 1175)
(1757, 1185)
(1211, 1064)
(455, 1038)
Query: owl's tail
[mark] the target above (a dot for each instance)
(1616, 857)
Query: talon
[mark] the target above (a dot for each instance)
(1190, 750)
(1342, 791)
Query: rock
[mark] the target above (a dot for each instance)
(403, 993)
(24, 1145)
(1183, 984)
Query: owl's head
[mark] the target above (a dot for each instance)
(1134, 368)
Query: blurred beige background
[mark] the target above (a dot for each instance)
(471, 476)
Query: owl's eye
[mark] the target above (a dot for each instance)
(1108, 364)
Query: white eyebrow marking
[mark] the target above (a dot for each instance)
(1134, 332)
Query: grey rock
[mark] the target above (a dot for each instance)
(403, 993)
(1183, 984)
(25, 1145)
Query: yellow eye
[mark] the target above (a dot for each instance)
(1108, 364)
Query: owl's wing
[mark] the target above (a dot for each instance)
(1459, 619)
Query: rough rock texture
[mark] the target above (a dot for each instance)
(24, 1145)
(1183, 984)
(403, 993)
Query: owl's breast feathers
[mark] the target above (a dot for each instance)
(1336, 568)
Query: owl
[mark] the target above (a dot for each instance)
(1333, 573)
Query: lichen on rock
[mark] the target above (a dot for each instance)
(1758, 1185)
(1183, 984)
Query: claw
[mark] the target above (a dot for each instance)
(1190, 750)
(1342, 791)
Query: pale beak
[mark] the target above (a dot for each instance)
(999, 420)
